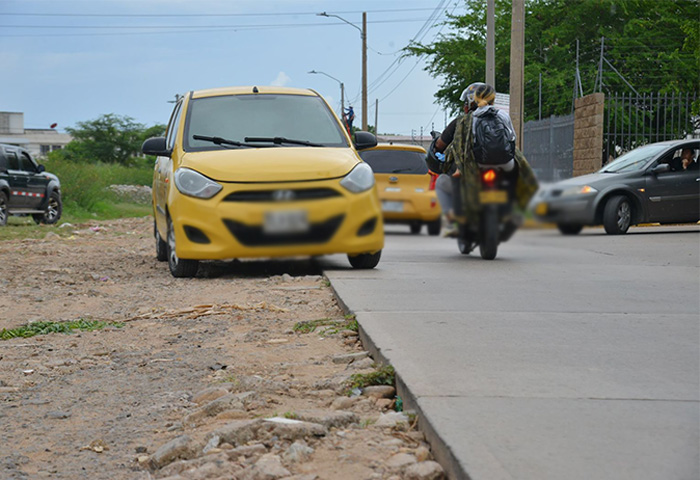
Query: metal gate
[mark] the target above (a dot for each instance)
(548, 146)
(632, 120)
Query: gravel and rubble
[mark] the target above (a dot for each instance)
(203, 378)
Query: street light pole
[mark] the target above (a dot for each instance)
(342, 90)
(363, 36)
(364, 71)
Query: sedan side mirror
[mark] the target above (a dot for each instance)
(40, 169)
(661, 168)
(156, 146)
(364, 140)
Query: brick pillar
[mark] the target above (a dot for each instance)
(588, 133)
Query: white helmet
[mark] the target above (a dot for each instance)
(468, 93)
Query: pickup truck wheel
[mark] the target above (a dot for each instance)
(53, 210)
(3, 209)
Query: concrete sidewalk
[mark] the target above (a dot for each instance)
(564, 358)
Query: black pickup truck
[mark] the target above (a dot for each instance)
(26, 188)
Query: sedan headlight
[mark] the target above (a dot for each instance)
(586, 189)
(361, 178)
(195, 184)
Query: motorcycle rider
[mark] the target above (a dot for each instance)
(447, 183)
(458, 144)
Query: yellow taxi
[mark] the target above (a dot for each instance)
(252, 172)
(406, 188)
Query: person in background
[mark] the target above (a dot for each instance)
(687, 160)
(349, 117)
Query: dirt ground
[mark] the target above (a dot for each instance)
(189, 359)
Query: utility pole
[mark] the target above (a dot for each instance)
(517, 72)
(376, 116)
(490, 44)
(364, 71)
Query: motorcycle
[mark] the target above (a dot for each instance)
(497, 222)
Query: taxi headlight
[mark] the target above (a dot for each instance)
(361, 178)
(580, 190)
(195, 184)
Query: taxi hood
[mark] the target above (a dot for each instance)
(275, 164)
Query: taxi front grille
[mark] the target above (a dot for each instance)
(280, 195)
(255, 236)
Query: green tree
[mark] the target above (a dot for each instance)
(653, 44)
(108, 139)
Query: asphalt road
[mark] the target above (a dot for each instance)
(563, 358)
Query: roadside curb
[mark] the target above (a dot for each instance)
(441, 451)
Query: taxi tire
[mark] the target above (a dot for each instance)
(3, 209)
(161, 245)
(569, 228)
(365, 261)
(434, 227)
(179, 268)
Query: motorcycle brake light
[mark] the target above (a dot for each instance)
(489, 176)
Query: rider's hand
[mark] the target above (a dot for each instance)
(457, 174)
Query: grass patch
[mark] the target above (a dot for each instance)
(332, 326)
(19, 228)
(291, 416)
(382, 376)
(45, 328)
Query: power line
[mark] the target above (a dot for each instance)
(190, 15)
(166, 29)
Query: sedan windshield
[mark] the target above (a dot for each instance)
(633, 160)
(265, 118)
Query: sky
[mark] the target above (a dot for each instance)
(69, 61)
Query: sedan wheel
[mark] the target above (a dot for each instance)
(617, 216)
(179, 267)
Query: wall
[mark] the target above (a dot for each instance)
(588, 133)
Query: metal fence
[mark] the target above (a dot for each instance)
(632, 120)
(548, 146)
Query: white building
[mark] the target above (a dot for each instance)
(38, 141)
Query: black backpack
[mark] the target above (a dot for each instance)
(492, 143)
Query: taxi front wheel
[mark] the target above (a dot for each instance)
(365, 261)
(179, 267)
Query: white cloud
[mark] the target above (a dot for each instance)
(281, 80)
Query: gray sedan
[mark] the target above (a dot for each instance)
(650, 184)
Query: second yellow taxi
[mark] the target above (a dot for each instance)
(406, 188)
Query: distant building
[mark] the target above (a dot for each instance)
(423, 141)
(38, 141)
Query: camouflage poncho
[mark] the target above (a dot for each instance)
(460, 153)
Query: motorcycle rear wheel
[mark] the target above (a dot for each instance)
(488, 246)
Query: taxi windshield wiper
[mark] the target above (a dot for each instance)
(223, 141)
(281, 140)
(400, 170)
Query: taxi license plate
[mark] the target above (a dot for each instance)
(541, 209)
(286, 221)
(392, 206)
(493, 196)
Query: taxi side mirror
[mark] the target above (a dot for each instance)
(364, 140)
(155, 146)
